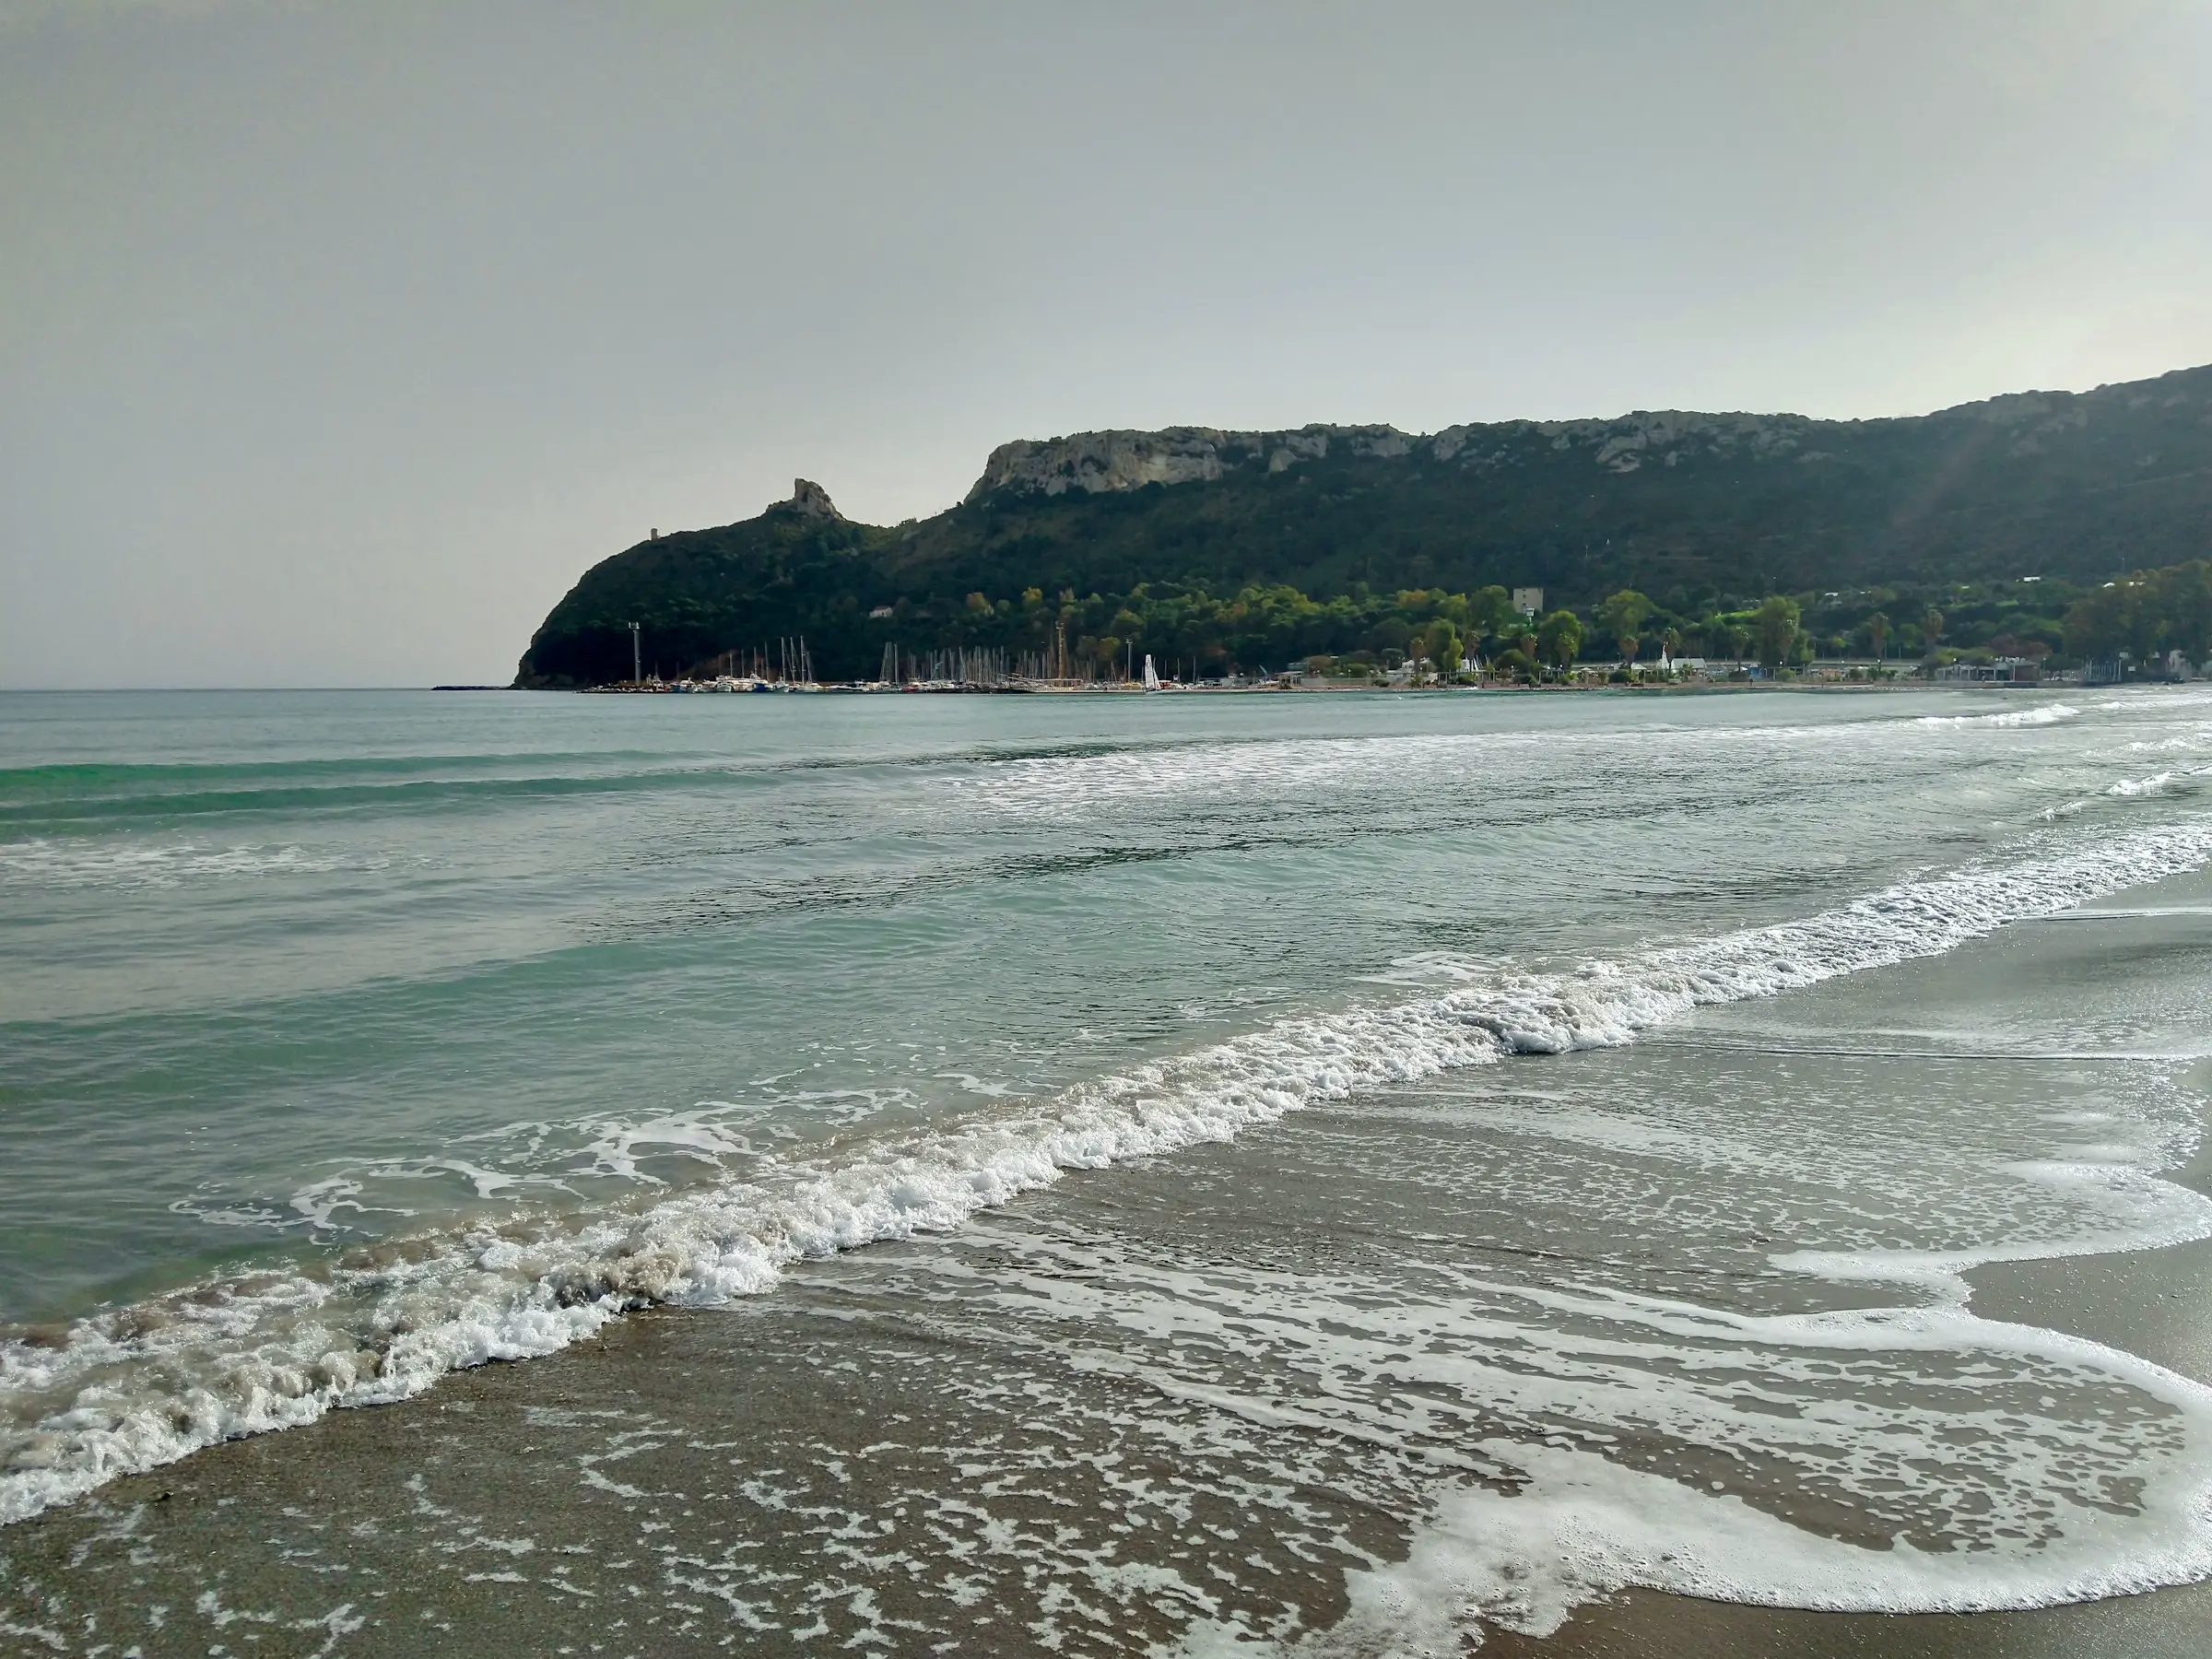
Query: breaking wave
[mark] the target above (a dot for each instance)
(125, 1390)
(2157, 783)
(2046, 714)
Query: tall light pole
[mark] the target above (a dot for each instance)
(637, 659)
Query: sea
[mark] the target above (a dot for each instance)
(1101, 1173)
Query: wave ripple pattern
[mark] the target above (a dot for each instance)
(1655, 1072)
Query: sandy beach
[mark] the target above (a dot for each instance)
(608, 1498)
(915, 1449)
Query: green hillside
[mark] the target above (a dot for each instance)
(1255, 547)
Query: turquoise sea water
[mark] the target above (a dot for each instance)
(351, 1037)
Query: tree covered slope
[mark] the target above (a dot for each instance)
(1705, 513)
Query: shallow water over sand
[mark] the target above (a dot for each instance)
(1336, 1172)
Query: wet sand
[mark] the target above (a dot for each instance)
(2158, 1304)
(644, 1494)
(634, 1496)
(917, 1448)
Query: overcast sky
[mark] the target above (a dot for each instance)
(337, 341)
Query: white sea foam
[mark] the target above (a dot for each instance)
(2041, 715)
(119, 862)
(1318, 773)
(1628, 1439)
(129, 1390)
(2129, 788)
(2121, 1209)
(1587, 1527)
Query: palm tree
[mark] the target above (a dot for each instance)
(1776, 621)
(1623, 614)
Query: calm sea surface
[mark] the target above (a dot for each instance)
(1584, 1106)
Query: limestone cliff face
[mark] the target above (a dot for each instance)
(1091, 463)
(1095, 462)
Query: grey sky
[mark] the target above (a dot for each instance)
(335, 342)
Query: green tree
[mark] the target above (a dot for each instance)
(1445, 648)
(1774, 625)
(1877, 635)
(1491, 616)
(1931, 629)
(2146, 615)
(1560, 639)
(2100, 621)
(2189, 605)
(1623, 614)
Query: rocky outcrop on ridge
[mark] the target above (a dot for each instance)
(1093, 462)
(810, 499)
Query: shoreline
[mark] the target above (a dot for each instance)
(455, 1510)
(576, 1500)
(1886, 688)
